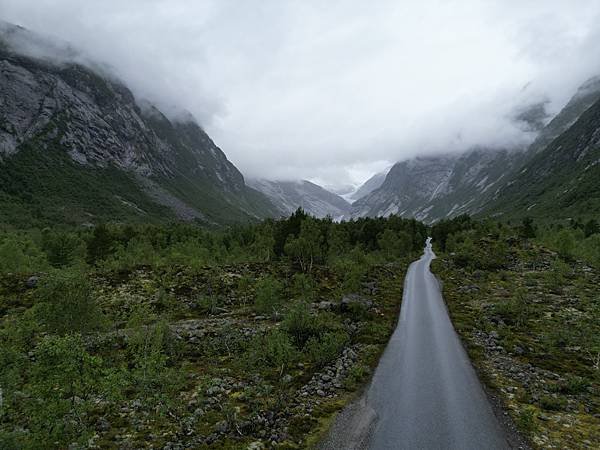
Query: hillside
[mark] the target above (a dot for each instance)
(76, 147)
(561, 181)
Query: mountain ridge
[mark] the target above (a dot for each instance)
(173, 168)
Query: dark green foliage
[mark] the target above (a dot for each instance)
(527, 228)
(445, 228)
(100, 244)
(301, 326)
(64, 375)
(20, 254)
(395, 245)
(66, 304)
(327, 348)
(62, 248)
(273, 349)
(269, 298)
(150, 348)
(307, 248)
(591, 227)
(46, 188)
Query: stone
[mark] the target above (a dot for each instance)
(102, 424)
(221, 427)
(350, 300)
(32, 282)
(287, 379)
(326, 306)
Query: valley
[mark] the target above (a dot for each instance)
(154, 296)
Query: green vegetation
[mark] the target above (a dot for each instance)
(119, 336)
(525, 301)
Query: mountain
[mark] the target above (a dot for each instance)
(288, 196)
(76, 146)
(368, 186)
(587, 94)
(433, 187)
(478, 180)
(560, 181)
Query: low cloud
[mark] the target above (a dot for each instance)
(333, 91)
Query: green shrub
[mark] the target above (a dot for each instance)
(551, 403)
(574, 385)
(62, 249)
(138, 252)
(21, 255)
(66, 304)
(303, 286)
(269, 295)
(374, 333)
(393, 244)
(64, 377)
(356, 376)
(517, 310)
(324, 350)
(526, 419)
(301, 326)
(273, 349)
(150, 348)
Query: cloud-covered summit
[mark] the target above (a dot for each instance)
(336, 91)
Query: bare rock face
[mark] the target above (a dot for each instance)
(55, 103)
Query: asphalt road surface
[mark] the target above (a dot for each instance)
(424, 393)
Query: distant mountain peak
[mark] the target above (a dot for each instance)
(290, 195)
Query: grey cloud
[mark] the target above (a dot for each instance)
(334, 91)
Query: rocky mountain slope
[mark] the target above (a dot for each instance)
(288, 196)
(76, 146)
(479, 180)
(432, 187)
(560, 181)
(368, 186)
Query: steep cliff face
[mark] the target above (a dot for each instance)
(288, 196)
(50, 108)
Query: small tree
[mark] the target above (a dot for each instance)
(308, 246)
(99, 245)
(63, 378)
(527, 229)
(300, 325)
(264, 241)
(268, 295)
(20, 255)
(62, 249)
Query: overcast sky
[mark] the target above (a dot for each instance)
(334, 91)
